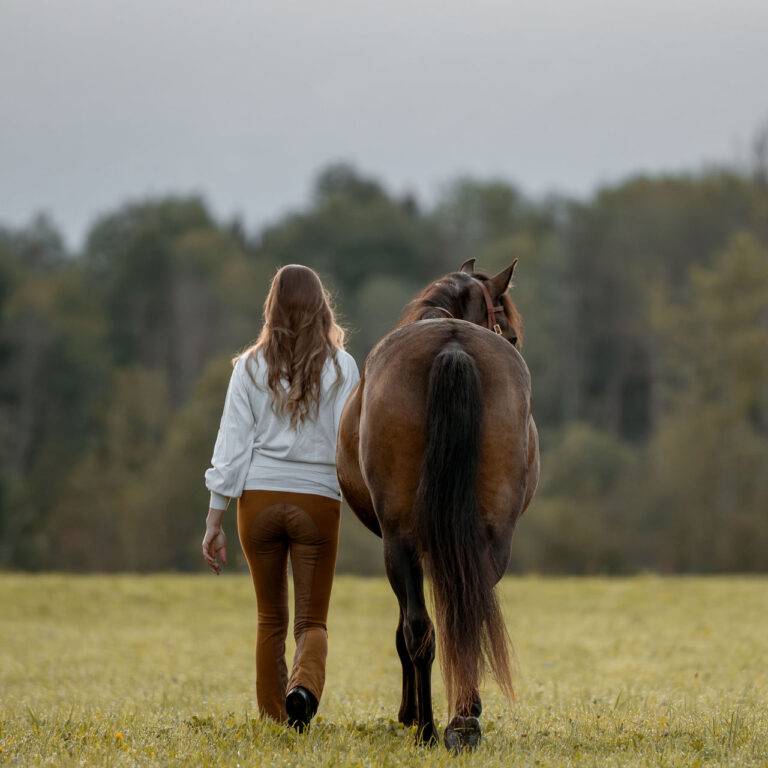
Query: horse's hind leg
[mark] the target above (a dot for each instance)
(407, 713)
(407, 580)
(463, 730)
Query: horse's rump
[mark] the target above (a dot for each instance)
(392, 418)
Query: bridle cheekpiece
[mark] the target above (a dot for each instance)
(490, 308)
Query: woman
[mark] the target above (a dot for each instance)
(275, 453)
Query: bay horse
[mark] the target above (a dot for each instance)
(438, 455)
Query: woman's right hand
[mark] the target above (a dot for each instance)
(215, 542)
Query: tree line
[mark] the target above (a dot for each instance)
(645, 311)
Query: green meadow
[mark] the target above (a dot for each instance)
(158, 670)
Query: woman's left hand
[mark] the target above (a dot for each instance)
(215, 546)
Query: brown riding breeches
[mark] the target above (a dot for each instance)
(272, 525)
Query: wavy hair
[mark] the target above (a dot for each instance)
(300, 332)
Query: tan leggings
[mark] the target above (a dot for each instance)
(272, 524)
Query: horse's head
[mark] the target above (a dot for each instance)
(477, 297)
(487, 301)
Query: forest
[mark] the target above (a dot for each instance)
(645, 312)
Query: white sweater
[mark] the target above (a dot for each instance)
(258, 450)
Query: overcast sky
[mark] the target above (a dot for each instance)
(102, 101)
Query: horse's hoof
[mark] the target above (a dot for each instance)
(462, 733)
(426, 736)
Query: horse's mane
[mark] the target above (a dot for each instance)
(434, 301)
(439, 299)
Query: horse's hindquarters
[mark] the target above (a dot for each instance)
(392, 418)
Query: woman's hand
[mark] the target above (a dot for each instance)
(215, 541)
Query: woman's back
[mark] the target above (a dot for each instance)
(313, 440)
(259, 449)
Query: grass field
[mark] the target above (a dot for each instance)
(128, 670)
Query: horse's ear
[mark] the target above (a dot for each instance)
(498, 284)
(468, 266)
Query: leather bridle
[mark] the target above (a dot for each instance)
(490, 308)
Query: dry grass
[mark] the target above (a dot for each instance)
(158, 670)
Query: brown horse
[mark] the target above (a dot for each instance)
(438, 454)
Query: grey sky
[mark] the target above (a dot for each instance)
(244, 100)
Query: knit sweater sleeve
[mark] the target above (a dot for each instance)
(350, 376)
(225, 478)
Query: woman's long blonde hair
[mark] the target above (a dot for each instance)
(300, 332)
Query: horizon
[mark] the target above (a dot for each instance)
(254, 229)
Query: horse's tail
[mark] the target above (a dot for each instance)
(470, 629)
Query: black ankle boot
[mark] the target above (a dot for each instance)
(300, 706)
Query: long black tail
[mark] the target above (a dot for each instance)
(470, 628)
